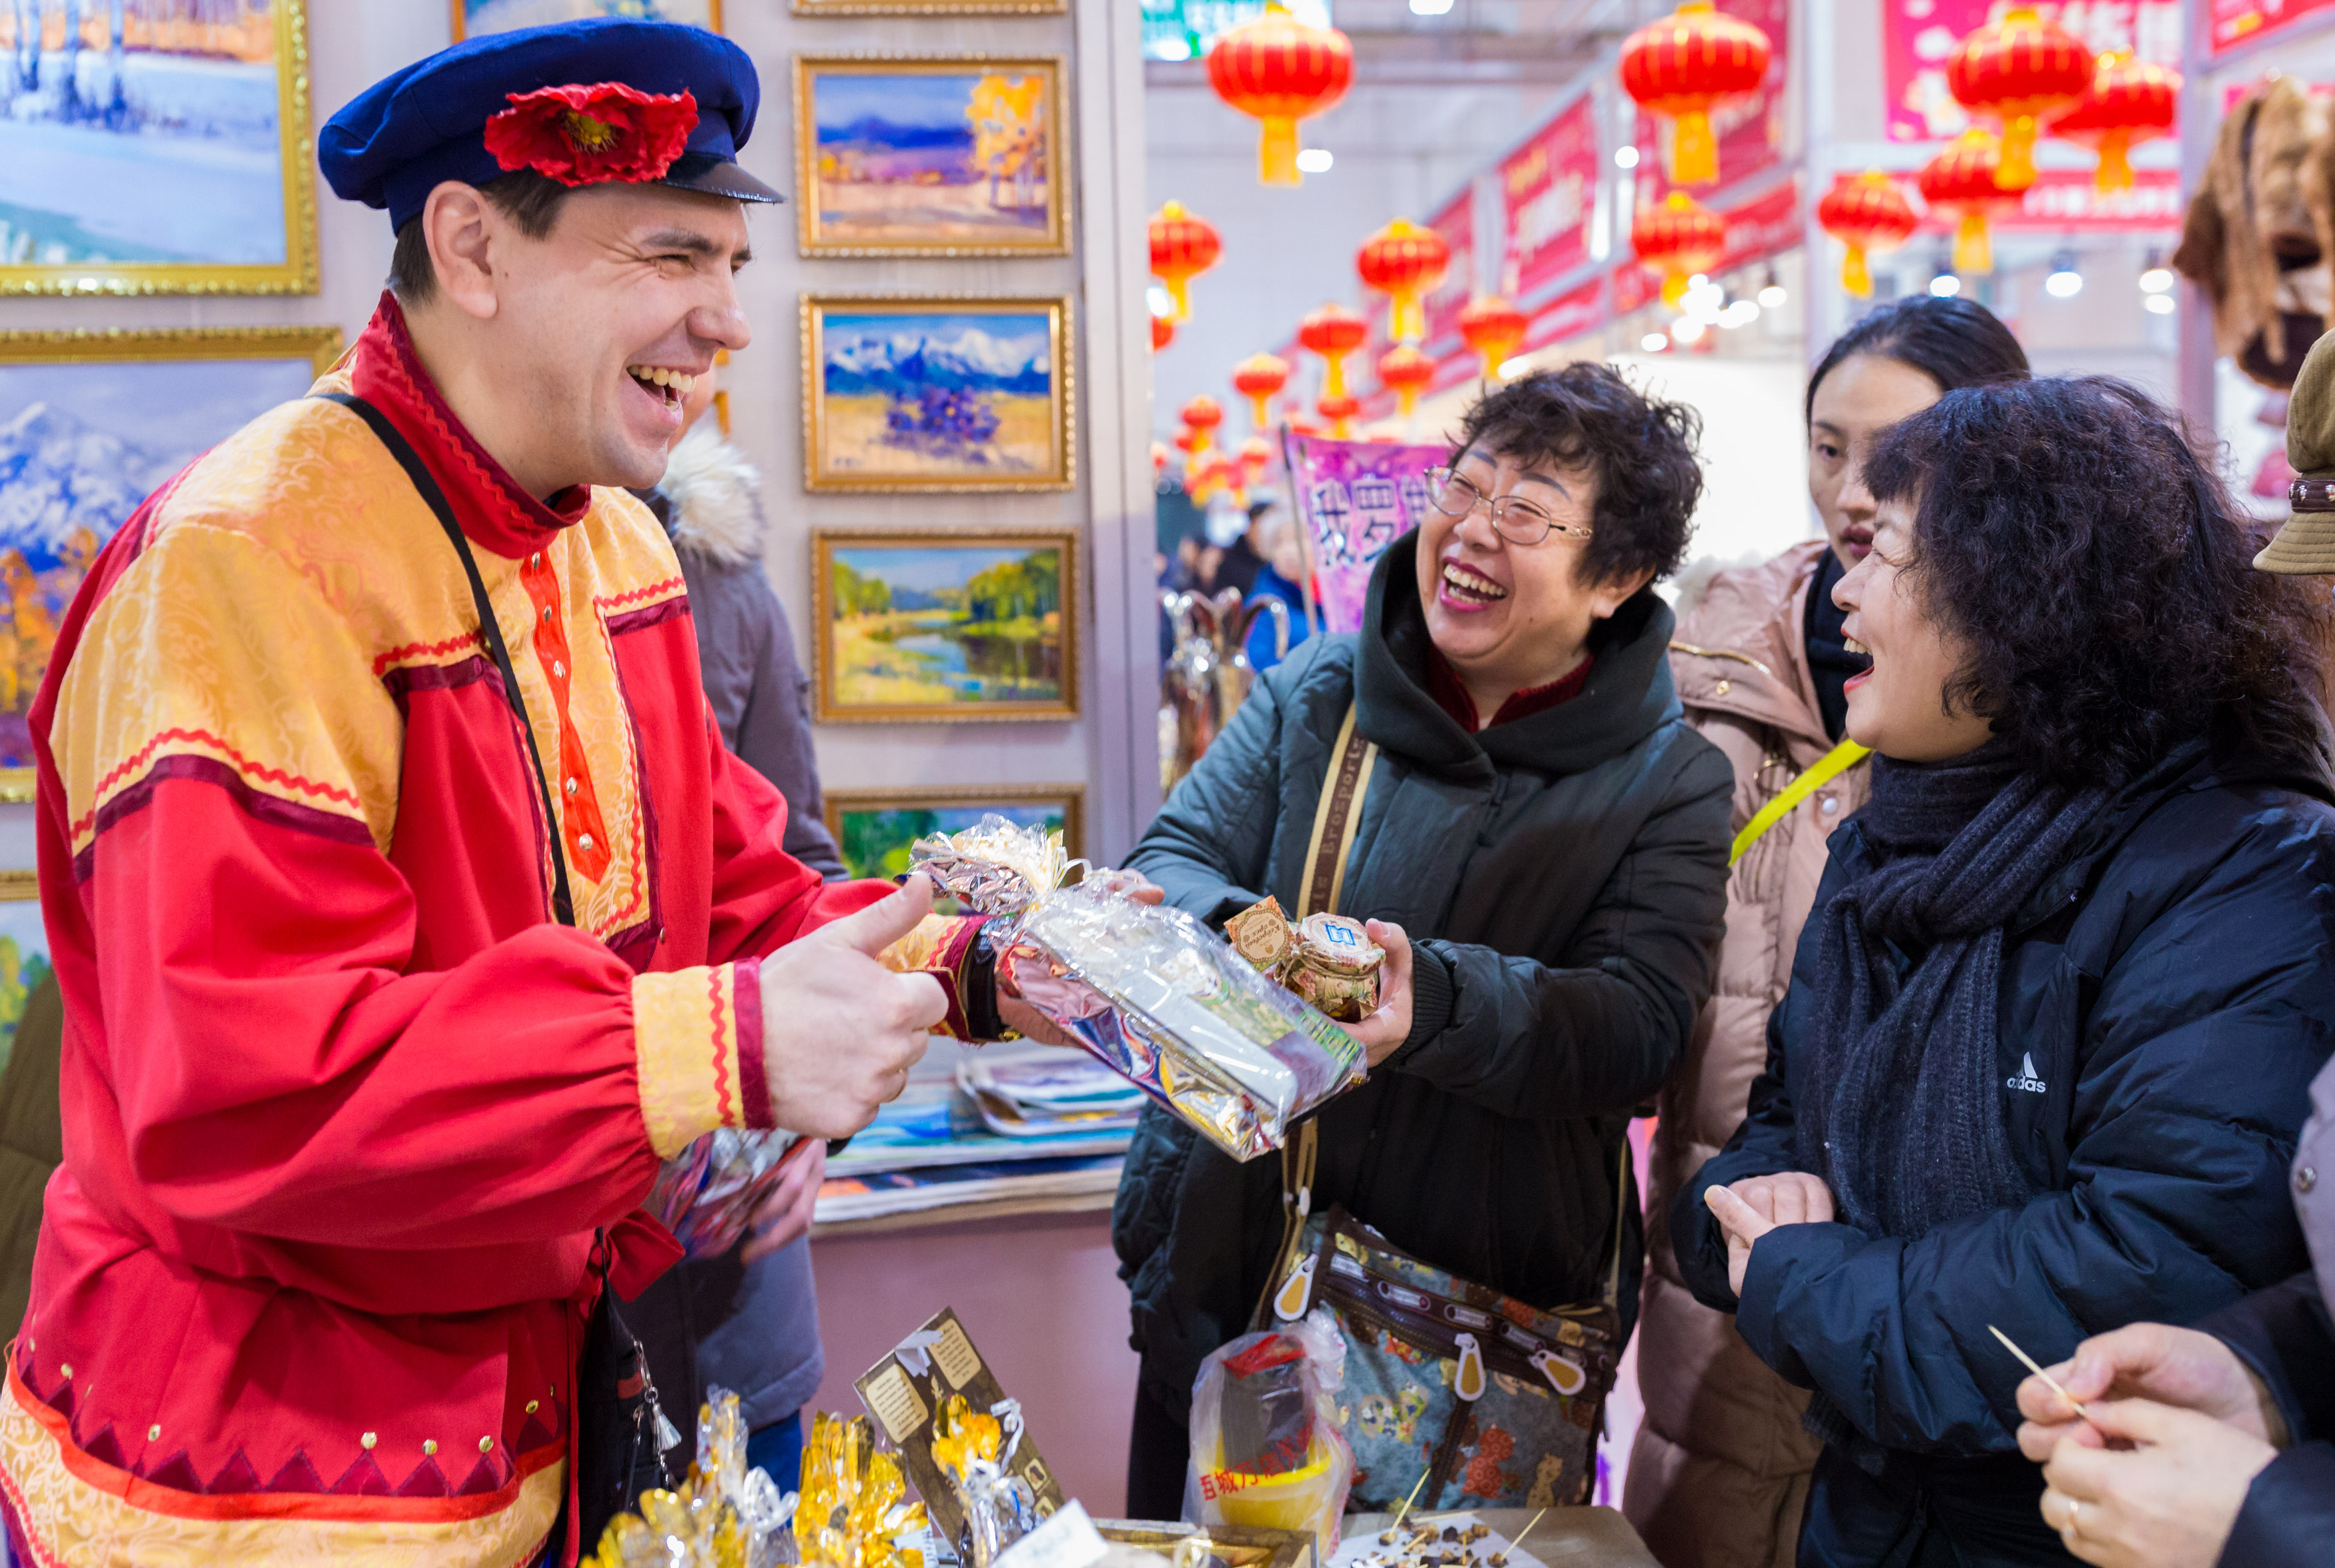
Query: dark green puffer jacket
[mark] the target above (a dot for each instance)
(1564, 876)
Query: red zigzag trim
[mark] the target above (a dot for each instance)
(243, 764)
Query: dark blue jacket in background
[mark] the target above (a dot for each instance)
(2167, 997)
(2284, 1335)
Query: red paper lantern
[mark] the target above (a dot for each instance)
(1257, 378)
(1406, 372)
(1182, 247)
(1334, 331)
(1190, 441)
(1404, 261)
(1203, 414)
(1681, 66)
(2129, 101)
(1256, 454)
(1679, 239)
(1281, 71)
(2016, 70)
(1340, 410)
(1866, 212)
(1495, 329)
(1163, 331)
(1966, 181)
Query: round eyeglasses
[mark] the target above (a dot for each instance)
(1514, 519)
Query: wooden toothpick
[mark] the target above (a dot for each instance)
(1527, 1529)
(2029, 1361)
(1406, 1502)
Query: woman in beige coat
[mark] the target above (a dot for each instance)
(1721, 1463)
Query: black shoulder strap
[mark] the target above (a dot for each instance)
(490, 632)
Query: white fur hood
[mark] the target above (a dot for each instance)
(712, 489)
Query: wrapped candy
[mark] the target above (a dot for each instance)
(999, 1509)
(1151, 992)
(853, 1504)
(724, 1515)
(707, 1194)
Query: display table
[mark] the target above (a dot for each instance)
(1566, 1538)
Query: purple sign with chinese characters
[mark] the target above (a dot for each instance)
(1355, 499)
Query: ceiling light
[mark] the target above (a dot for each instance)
(2161, 304)
(1314, 160)
(1430, 7)
(1739, 312)
(1161, 302)
(1512, 368)
(1773, 297)
(1654, 341)
(1686, 329)
(2064, 282)
(1625, 156)
(2156, 280)
(1945, 286)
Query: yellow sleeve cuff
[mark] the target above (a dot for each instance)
(697, 1034)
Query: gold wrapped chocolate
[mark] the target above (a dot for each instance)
(1327, 960)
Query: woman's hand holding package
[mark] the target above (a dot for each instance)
(2181, 1368)
(840, 1032)
(1385, 1030)
(1752, 1207)
(2167, 1497)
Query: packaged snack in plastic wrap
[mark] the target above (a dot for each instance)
(1154, 994)
(707, 1194)
(724, 1515)
(1266, 1445)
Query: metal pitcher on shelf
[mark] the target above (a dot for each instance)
(1208, 675)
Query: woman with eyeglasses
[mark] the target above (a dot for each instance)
(1541, 845)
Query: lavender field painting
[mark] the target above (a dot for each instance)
(141, 131)
(934, 396)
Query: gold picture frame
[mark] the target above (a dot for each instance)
(931, 7)
(954, 807)
(945, 626)
(462, 19)
(202, 407)
(295, 154)
(871, 426)
(901, 201)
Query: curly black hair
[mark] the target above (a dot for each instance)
(2101, 574)
(1642, 450)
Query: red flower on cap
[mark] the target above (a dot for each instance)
(580, 135)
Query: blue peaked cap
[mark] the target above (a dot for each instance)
(398, 139)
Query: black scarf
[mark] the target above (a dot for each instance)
(1907, 1125)
(1829, 661)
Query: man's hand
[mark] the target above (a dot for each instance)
(1126, 884)
(839, 1030)
(784, 1215)
(2180, 1368)
(2166, 1498)
(1382, 1031)
(1757, 1204)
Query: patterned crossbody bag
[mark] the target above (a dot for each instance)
(1495, 1400)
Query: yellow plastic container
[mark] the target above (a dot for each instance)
(1296, 1499)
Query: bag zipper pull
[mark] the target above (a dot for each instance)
(1296, 1292)
(1561, 1375)
(1469, 1382)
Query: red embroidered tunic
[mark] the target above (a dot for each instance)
(343, 1106)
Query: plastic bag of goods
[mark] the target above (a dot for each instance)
(707, 1194)
(1151, 992)
(1266, 1445)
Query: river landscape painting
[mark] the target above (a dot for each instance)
(931, 394)
(875, 829)
(945, 624)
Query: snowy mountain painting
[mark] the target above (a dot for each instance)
(915, 393)
(81, 445)
(139, 131)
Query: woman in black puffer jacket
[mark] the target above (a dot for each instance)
(2046, 1051)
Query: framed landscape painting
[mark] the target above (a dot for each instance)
(472, 17)
(156, 146)
(936, 393)
(24, 952)
(90, 423)
(874, 828)
(945, 623)
(929, 156)
(931, 7)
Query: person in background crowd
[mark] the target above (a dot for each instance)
(2043, 1059)
(749, 1321)
(1273, 533)
(1719, 1469)
(1539, 817)
(1239, 563)
(2225, 1432)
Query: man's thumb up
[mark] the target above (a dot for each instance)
(882, 923)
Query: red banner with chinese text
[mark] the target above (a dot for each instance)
(1457, 224)
(1919, 36)
(1549, 188)
(2238, 22)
